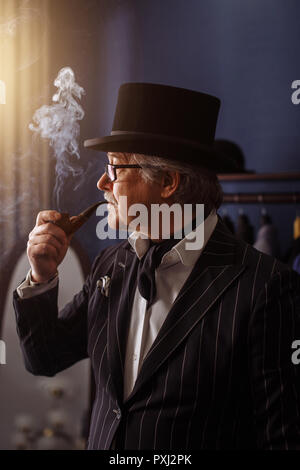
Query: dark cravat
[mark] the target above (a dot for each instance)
(147, 266)
(151, 260)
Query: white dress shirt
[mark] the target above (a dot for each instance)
(174, 269)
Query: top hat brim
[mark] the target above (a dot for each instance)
(200, 156)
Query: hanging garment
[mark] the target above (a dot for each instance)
(229, 223)
(244, 229)
(265, 219)
(293, 252)
(297, 227)
(296, 264)
(294, 249)
(267, 240)
(267, 237)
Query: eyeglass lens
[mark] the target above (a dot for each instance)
(110, 171)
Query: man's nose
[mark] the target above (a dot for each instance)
(104, 183)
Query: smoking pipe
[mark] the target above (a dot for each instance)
(71, 224)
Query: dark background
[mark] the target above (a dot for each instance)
(246, 53)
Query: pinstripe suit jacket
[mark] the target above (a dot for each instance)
(219, 374)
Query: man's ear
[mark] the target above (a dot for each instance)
(170, 183)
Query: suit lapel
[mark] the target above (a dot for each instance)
(216, 269)
(119, 307)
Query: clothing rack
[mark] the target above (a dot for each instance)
(251, 176)
(264, 198)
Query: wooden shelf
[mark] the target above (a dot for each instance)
(283, 176)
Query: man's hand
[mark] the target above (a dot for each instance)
(47, 246)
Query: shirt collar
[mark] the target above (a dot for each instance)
(179, 252)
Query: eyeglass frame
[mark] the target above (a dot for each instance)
(115, 167)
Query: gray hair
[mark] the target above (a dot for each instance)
(197, 185)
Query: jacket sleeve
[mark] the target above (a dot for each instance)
(273, 327)
(52, 341)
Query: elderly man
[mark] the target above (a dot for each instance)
(190, 349)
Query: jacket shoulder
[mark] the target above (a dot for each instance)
(267, 272)
(245, 254)
(255, 257)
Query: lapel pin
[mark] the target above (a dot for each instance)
(103, 285)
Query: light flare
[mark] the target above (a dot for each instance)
(2, 92)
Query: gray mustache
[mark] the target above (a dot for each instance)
(109, 199)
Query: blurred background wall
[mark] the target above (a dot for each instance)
(246, 53)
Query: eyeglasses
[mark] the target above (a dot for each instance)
(111, 172)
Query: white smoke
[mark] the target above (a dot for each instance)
(10, 26)
(20, 27)
(59, 123)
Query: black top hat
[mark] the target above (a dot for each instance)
(165, 121)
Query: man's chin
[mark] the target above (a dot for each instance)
(114, 222)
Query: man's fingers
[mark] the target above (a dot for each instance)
(51, 230)
(46, 216)
(42, 250)
(46, 239)
(47, 245)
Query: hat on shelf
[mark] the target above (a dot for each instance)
(229, 150)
